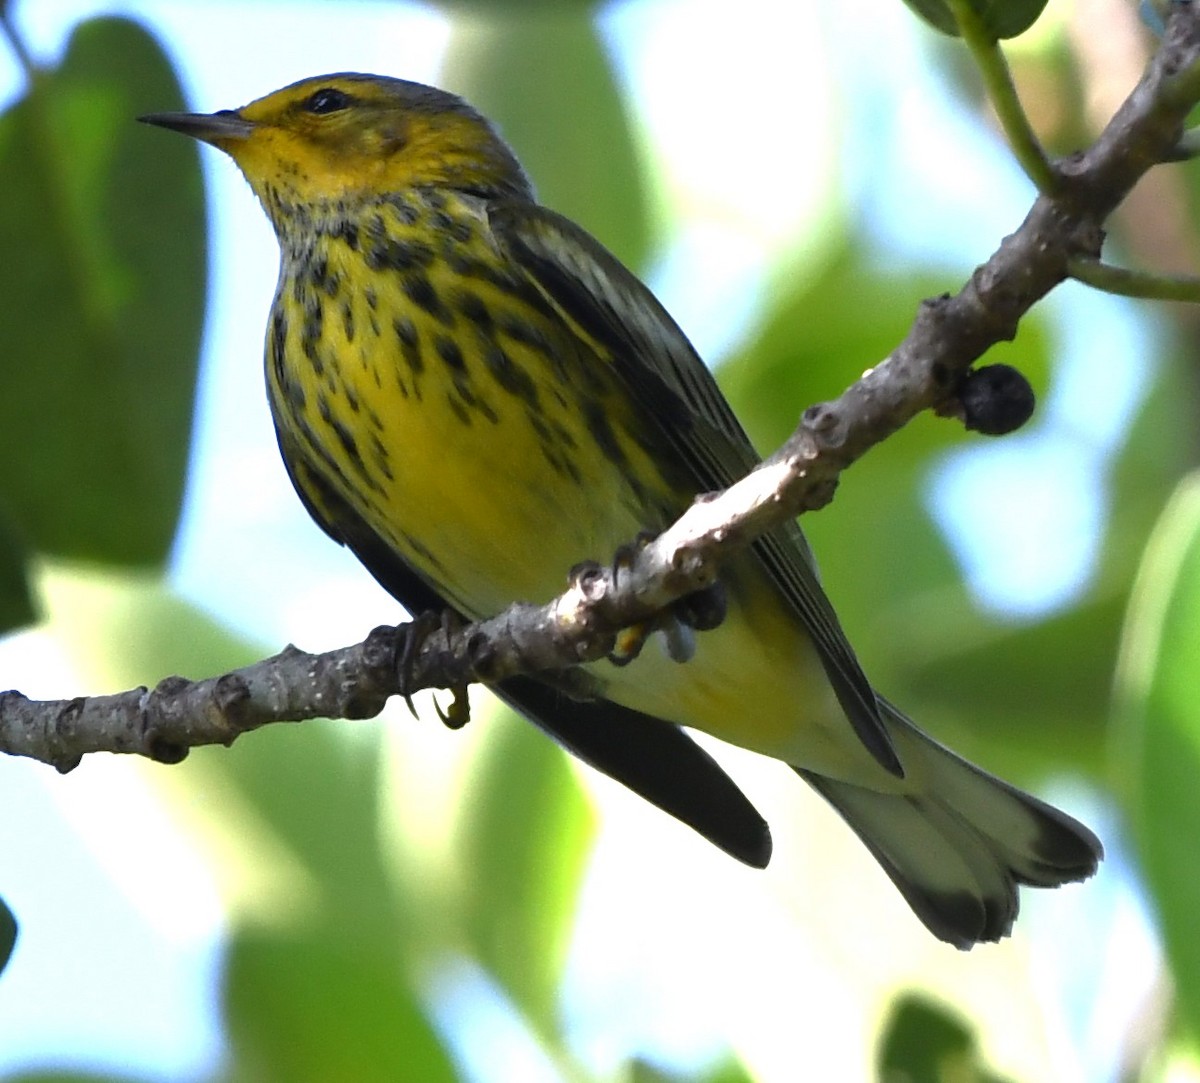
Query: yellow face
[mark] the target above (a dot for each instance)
(343, 136)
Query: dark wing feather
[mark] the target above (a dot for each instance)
(653, 758)
(662, 370)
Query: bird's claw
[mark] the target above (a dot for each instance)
(700, 611)
(414, 637)
(458, 714)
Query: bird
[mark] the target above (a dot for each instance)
(474, 396)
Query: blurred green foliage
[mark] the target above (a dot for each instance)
(103, 309)
(100, 340)
(503, 60)
(924, 1042)
(523, 838)
(721, 1072)
(1000, 18)
(1158, 738)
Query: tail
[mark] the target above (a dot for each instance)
(958, 846)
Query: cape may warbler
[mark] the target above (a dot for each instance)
(475, 396)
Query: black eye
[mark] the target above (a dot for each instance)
(327, 100)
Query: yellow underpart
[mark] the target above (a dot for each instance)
(502, 491)
(493, 485)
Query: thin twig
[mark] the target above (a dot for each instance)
(1002, 93)
(1126, 282)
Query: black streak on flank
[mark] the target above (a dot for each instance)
(372, 299)
(350, 446)
(420, 291)
(449, 351)
(278, 340)
(348, 320)
(349, 234)
(561, 435)
(318, 272)
(379, 455)
(387, 254)
(526, 334)
(552, 449)
(560, 463)
(467, 266)
(485, 408)
(317, 449)
(406, 213)
(410, 344)
(460, 411)
(510, 376)
(413, 545)
(602, 433)
(310, 338)
(533, 338)
(471, 305)
(457, 229)
(291, 390)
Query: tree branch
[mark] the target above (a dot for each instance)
(1063, 230)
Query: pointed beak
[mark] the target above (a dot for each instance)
(219, 129)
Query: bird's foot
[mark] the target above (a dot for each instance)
(419, 631)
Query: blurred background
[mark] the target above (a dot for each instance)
(389, 900)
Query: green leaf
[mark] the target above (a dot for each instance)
(314, 786)
(924, 1042)
(877, 547)
(317, 788)
(104, 291)
(1001, 18)
(1048, 681)
(130, 628)
(16, 600)
(1158, 731)
(545, 78)
(893, 580)
(8, 934)
(814, 342)
(723, 1071)
(524, 839)
(314, 1008)
(1027, 698)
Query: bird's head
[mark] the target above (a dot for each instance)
(343, 137)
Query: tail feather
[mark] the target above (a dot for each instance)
(960, 841)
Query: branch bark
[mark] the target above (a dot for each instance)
(949, 334)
